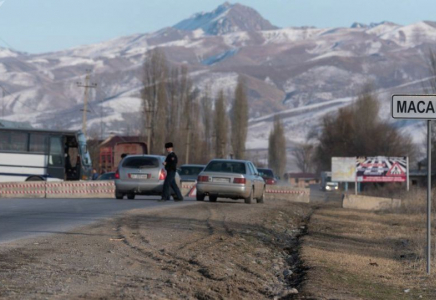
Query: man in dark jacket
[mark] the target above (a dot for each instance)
(170, 180)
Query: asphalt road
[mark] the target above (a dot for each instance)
(317, 196)
(25, 218)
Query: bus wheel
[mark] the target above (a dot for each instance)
(34, 178)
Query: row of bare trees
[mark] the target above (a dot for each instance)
(197, 124)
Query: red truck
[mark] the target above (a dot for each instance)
(110, 157)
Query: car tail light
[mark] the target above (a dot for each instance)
(270, 181)
(117, 174)
(239, 180)
(203, 178)
(162, 174)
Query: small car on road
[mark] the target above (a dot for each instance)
(268, 176)
(107, 176)
(189, 172)
(234, 179)
(140, 175)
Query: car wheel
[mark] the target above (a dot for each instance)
(213, 198)
(131, 196)
(249, 199)
(260, 200)
(119, 195)
(200, 197)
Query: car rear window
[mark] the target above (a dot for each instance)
(141, 162)
(191, 170)
(226, 167)
(266, 173)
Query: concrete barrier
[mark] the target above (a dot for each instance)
(80, 189)
(22, 189)
(369, 203)
(287, 193)
(188, 189)
(69, 189)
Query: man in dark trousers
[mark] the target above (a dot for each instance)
(170, 181)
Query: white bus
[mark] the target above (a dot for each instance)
(36, 155)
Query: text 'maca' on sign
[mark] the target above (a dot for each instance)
(413, 107)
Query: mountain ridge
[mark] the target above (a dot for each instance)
(288, 71)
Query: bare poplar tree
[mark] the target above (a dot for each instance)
(155, 72)
(277, 148)
(159, 125)
(207, 118)
(239, 120)
(303, 157)
(221, 126)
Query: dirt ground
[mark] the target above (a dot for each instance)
(223, 250)
(353, 254)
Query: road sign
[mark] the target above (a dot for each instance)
(396, 170)
(413, 107)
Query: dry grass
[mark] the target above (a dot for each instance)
(366, 255)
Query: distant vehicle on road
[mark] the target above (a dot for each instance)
(189, 172)
(110, 156)
(331, 186)
(268, 176)
(49, 155)
(140, 175)
(235, 179)
(107, 176)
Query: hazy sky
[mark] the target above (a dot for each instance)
(38, 26)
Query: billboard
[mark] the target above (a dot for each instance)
(381, 169)
(344, 169)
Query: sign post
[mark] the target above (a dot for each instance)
(421, 107)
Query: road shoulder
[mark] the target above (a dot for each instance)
(353, 254)
(207, 250)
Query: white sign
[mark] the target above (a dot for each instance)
(344, 169)
(413, 107)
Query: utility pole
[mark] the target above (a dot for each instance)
(86, 85)
(188, 142)
(149, 120)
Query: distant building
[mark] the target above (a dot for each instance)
(302, 180)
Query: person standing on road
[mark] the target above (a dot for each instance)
(94, 174)
(170, 180)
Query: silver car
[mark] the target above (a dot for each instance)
(140, 175)
(235, 179)
(189, 173)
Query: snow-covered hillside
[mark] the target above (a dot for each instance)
(301, 73)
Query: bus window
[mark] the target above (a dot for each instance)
(37, 143)
(19, 142)
(5, 144)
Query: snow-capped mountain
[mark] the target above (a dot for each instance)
(300, 73)
(225, 19)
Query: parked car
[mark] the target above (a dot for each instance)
(189, 172)
(235, 179)
(140, 175)
(268, 176)
(107, 176)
